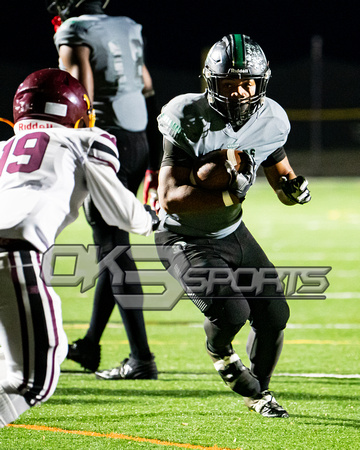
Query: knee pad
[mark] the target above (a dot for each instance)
(272, 317)
(231, 313)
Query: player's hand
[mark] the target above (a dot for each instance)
(296, 189)
(240, 182)
(151, 184)
(155, 219)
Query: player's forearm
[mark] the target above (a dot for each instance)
(274, 176)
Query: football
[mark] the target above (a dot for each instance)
(209, 171)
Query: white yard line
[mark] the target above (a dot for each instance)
(316, 375)
(342, 295)
(331, 326)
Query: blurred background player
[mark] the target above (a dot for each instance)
(106, 55)
(46, 171)
(203, 229)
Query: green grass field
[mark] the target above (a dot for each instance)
(317, 378)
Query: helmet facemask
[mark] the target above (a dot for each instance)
(236, 110)
(226, 60)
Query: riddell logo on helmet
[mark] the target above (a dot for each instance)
(242, 71)
(33, 125)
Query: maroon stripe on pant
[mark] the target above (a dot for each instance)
(23, 323)
(55, 330)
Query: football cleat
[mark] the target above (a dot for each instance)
(238, 377)
(86, 353)
(130, 369)
(266, 405)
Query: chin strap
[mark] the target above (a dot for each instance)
(7, 121)
(91, 114)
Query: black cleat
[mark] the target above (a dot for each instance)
(130, 369)
(86, 353)
(266, 405)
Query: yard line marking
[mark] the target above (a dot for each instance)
(319, 342)
(316, 375)
(339, 326)
(330, 326)
(85, 326)
(316, 257)
(342, 295)
(119, 436)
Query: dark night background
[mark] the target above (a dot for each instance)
(177, 32)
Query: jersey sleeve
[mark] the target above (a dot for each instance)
(275, 157)
(102, 149)
(180, 124)
(72, 32)
(175, 156)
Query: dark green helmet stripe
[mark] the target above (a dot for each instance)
(238, 56)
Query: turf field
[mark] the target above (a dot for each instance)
(317, 378)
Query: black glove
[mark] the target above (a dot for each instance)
(154, 217)
(240, 182)
(296, 189)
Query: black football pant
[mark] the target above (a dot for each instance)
(191, 260)
(133, 156)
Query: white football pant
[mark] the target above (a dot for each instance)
(32, 337)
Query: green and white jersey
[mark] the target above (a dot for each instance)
(116, 59)
(189, 123)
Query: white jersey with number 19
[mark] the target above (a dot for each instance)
(46, 172)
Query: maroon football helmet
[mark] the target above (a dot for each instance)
(53, 95)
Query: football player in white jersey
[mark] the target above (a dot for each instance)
(202, 229)
(55, 159)
(106, 54)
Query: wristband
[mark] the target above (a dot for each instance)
(230, 154)
(227, 198)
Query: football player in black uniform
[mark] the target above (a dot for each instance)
(106, 54)
(202, 229)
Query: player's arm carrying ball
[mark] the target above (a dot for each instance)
(227, 170)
